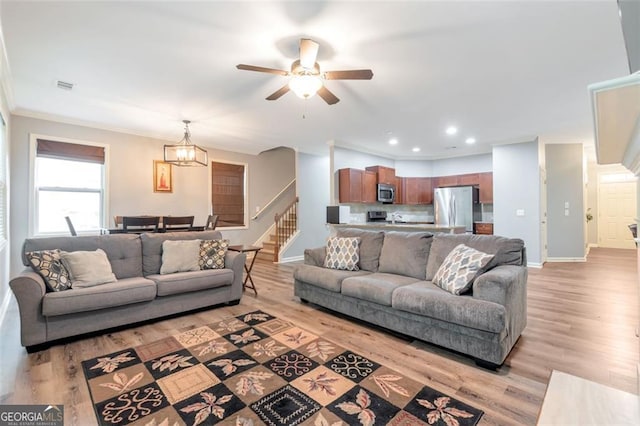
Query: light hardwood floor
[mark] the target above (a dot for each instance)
(582, 320)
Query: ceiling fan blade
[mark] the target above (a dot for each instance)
(308, 53)
(328, 97)
(261, 69)
(349, 75)
(281, 91)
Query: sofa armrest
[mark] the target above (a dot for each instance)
(502, 284)
(29, 289)
(235, 261)
(315, 256)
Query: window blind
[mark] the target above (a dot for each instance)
(70, 151)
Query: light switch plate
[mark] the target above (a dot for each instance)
(520, 212)
(566, 204)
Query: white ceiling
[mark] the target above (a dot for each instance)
(499, 70)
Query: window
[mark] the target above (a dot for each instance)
(3, 182)
(228, 194)
(69, 181)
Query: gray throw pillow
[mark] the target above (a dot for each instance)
(370, 246)
(88, 268)
(461, 266)
(49, 265)
(180, 256)
(405, 253)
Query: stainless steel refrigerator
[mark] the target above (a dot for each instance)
(456, 206)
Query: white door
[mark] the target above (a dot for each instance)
(616, 210)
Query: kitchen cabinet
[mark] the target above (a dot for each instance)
(483, 228)
(486, 187)
(444, 181)
(350, 185)
(472, 179)
(399, 191)
(369, 188)
(385, 174)
(418, 190)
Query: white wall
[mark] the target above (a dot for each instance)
(565, 186)
(516, 186)
(414, 168)
(131, 177)
(462, 165)
(5, 246)
(313, 192)
(347, 158)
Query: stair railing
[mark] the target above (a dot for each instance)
(286, 226)
(273, 200)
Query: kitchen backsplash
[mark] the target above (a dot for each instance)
(422, 213)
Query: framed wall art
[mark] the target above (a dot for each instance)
(162, 177)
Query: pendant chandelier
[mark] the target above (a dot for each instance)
(185, 153)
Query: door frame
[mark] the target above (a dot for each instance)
(630, 177)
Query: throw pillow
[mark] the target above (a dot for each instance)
(405, 253)
(342, 253)
(180, 256)
(460, 267)
(88, 268)
(47, 263)
(212, 253)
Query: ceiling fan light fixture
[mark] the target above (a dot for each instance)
(306, 85)
(185, 153)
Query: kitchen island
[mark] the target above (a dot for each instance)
(405, 227)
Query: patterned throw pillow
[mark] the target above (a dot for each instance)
(459, 269)
(49, 265)
(212, 253)
(342, 253)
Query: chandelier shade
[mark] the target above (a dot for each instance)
(185, 153)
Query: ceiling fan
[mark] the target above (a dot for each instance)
(306, 77)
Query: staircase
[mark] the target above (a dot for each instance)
(286, 224)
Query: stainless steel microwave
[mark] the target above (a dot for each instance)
(386, 193)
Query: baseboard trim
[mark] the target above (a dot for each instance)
(536, 265)
(566, 259)
(291, 259)
(593, 245)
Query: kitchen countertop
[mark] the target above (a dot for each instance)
(403, 227)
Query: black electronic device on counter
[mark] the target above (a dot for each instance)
(376, 216)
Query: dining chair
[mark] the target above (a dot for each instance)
(177, 223)
(212, 221)
(72, 229)
(139, 224)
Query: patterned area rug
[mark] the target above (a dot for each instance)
(256, 369)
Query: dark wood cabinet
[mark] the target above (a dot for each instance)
(399, 191)
(410, 192)
(418, 190)
(350, 185)
(384, 174)
(369, 188)
(486, 187)
(483, 228)
(472, 179)
(444, 181)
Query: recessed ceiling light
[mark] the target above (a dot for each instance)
(452, 130)
(470, 141)
(393, 141)
(416, 149)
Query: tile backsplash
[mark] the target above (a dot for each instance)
(420, 213)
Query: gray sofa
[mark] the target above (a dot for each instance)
(393, 289)
(139, 294)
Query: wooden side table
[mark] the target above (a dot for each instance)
(243, 248)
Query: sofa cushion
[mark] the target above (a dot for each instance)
(329, 279)
(123, 250)
(460, 267)
(370, 246)
(212, 253)
(342, 253)
(508, 251)
(88, 268)
(426, 298)
(377, 287)
(185, 282)
(152, 246)
(405, 253)
(180, 256)
(121, 292)
(49, 265)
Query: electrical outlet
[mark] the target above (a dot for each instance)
(566, 212)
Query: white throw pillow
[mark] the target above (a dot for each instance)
(87, 268)
(459, 269)
(180, 256)
(342, 253)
